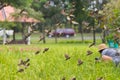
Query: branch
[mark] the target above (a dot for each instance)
(22, 11)
(26, 36)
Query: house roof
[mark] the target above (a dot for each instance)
(6, 14)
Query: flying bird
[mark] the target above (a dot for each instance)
(45, 49)
(58, 24)
(67, 56)
(89, 52)
(80, 62)
(37, 52)
(48, 31)
(74, 22)
(91, 44)
(20, 70)
(42, 38)
(47, 4)
(97, 60)
(63, 12)
(23, 62)
(27, 60)
(68, 18)
(28, 64)
(71, 15)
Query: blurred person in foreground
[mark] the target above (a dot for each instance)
(109, 54)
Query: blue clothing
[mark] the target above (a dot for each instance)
(116, 60)
(114, 53)
(109, 52)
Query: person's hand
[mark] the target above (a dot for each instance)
(106, 58)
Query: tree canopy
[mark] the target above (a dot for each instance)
(15, 3)
(23, 6)
(111, 14)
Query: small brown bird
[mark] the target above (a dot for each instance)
(74, 22)
(100, 78)
(89, 52)
(20, 70)
(37, 52)
(67, 56)
(28, 64)
(42, 38)
(27, 60)
(91, 44)
(97, 60)
(58, 24)
(73, 78)
(46, 49)
(23, 62)
(80, 62)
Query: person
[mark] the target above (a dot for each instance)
(109, 54)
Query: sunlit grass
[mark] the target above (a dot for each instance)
(52, 65)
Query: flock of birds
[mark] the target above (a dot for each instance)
(80, 62)
(26, 63)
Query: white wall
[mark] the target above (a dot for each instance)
(8, 32)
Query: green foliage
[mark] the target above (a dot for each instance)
(7, 25)
(110, 37)
(80, 7)
(51, 14)
(36, 15)
(17, 3)
(111, 11)
(42, 0)
(52, 64)
(11, 25)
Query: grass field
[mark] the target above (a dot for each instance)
(35, 37)
(52, 65)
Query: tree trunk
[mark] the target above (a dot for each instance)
(43, 32)
(23, 28)
(14, 35)
(81, 32)
(94, 36)
(55, 35)
(103, 39)
(14, 30)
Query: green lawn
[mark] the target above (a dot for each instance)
(35, 37)
(52, 64)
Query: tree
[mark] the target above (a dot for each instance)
(15, 3)
(51, 12)
(109, 16)
(24, 7)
